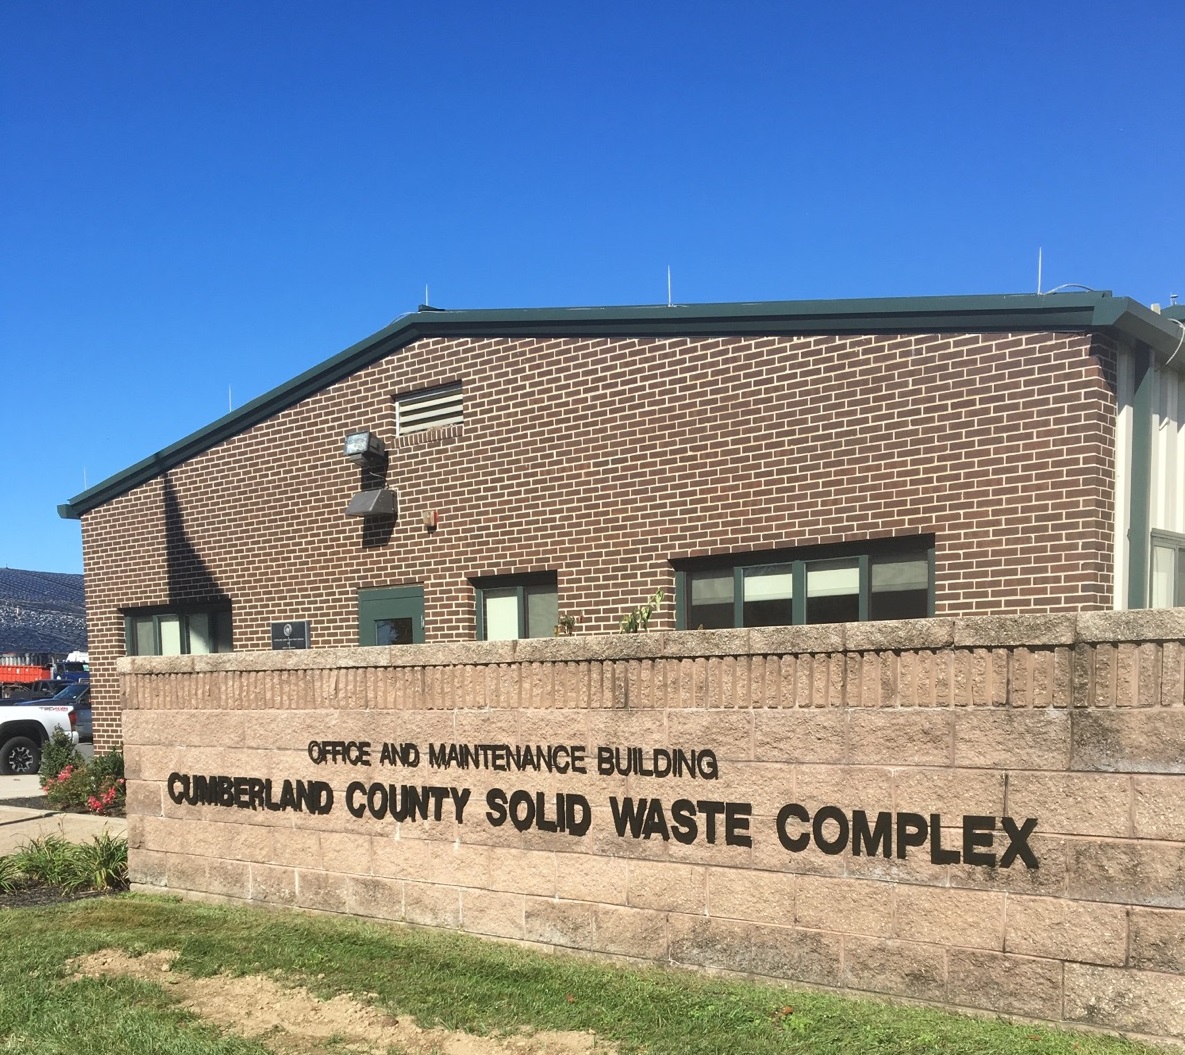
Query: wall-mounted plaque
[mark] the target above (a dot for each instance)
(292, 634)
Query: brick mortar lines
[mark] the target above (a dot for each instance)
(259, 517)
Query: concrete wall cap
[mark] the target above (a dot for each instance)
(899, 635)
(1006, 631)
(1144, 624)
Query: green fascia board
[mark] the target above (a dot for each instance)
(970, 314)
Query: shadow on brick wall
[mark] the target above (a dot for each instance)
(190, 580)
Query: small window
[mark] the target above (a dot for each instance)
(178, 633)
(833, 584)
(1167, 588)
(516, 606)
(430, 409)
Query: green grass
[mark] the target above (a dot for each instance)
(441, 979)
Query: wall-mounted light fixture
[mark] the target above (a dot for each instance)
(379, 502)
(365, 449)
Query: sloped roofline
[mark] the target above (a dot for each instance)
(1065, 312)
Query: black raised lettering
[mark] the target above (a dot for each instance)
(578, 814)
(496, 807)
(709, 810)
(978, 831)
(840, 842)
(794, 843)
(379, 799)
(683, 825)
(579, 765)
(605, 761)
(656, 822)
(736, 824)
(357, 809)
(256, 789)
(706, 764)
(866, 841)
(1019, 847)
(938, 855)
(912, 830)
(460, 797)
(541, 820)
(287, 796)
(178, 787)
(628, 813)
(522, 810)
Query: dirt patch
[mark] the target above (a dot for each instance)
(38, 896)
(291, 1021)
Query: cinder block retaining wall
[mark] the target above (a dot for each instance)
(983, 813)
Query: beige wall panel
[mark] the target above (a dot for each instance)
(962, 745)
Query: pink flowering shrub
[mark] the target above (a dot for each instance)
(109, 798)
(97, 786)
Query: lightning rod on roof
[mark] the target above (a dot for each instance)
(426, 300)
(668, 285)
(1038, 270)
(230, 403)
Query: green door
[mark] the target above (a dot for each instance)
(391, 617)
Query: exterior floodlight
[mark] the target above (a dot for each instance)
(379, 502)
(365, 448)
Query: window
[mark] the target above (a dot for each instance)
(516, 606)
(430, 409)
(835, 584)
(1167, 588)
(178, 633)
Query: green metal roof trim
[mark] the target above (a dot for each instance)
(1020, 312)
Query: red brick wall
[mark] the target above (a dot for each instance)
(604, 459)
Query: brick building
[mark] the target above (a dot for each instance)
(764, 464)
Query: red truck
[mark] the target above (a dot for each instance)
(38, 676)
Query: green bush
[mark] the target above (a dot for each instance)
(56, 755)
(101, 864)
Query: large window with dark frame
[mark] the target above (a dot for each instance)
(893, 579)
(516, 606)
(178, 632)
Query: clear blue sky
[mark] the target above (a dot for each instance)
(213, 195)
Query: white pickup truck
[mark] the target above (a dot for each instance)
(23, 730)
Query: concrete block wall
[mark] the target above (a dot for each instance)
(1058, 740)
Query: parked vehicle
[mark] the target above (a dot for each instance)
(78, 696)
(24, 728)
(39, 673)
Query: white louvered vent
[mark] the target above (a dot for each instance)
(428, 410)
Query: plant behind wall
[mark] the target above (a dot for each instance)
(638, 620)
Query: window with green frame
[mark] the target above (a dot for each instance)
(516, 606)
(891, 579)
(178, 632)
(1167, 586)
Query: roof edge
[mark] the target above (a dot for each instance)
(979, 313)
